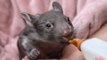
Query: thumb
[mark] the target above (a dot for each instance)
(72, 53)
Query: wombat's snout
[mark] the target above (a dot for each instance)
(67, 31)
(67, 35)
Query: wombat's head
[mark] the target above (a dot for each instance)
(52, 25)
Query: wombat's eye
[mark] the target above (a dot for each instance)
(49, 25)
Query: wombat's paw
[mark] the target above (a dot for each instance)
(33, 54)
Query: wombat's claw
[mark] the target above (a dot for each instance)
(33, 54)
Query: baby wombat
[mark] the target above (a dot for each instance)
(45, 34)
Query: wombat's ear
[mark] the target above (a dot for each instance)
(57, 7)
(28, 18)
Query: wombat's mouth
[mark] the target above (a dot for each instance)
(68, 37)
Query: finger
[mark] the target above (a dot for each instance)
(99, 58)
(69, 50)
(72, 53)
(25, 58)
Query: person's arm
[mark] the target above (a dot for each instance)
(101, 33)
(90, 18)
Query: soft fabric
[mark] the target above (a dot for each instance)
(87, 17)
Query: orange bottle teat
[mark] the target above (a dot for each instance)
(76, 42)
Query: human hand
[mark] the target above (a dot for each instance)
(72, 53)
(90, 19)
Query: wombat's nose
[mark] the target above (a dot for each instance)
(67, 31)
